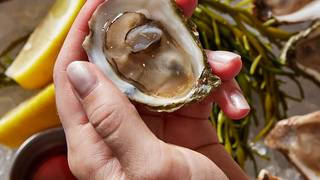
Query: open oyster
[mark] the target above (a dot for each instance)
(299, 138)
(302, 52)
(148, 50)
(288, 10)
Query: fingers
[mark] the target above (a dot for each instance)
(227, 65)
(141, 154)
(224, 64)
(85, 147)
(111, 114)
(67, 104)
(231, 100)
(187, 6)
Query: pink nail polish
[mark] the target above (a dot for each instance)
(81, 77)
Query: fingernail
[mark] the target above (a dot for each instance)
(222, 56)
(81, 77)
(238, 100)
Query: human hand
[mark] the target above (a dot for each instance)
(107, 137)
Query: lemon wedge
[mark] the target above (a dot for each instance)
(32, 116)
(33, 66)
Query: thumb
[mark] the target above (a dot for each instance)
(111, 114)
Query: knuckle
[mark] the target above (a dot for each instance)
(107, 118)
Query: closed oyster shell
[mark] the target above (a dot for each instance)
(302, 52)
(150, 52)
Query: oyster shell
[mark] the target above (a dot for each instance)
(288, 10)
(299, 138)
(147, 48)
(266, 175)
(303, 52)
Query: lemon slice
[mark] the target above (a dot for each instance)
(33, 66)
(32, 116)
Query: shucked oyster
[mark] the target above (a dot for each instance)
(299, 138)
(288, 10)
(146, 48)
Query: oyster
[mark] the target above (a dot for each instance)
(303, 52)
(299, 138)
(149, 51)
(288, 10)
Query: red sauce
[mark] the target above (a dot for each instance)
(53, 166)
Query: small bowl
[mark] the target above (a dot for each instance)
(34, 149)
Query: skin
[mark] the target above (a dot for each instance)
(110, 138)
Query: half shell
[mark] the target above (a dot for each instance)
(299, 138)
(149, 51)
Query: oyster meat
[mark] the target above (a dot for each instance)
(288, 10)
(299, 138)
(150, 52)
